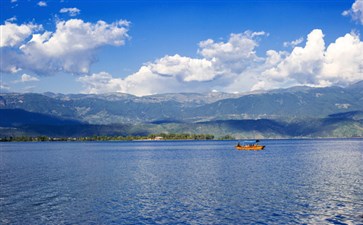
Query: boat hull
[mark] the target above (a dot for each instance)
(250, 148)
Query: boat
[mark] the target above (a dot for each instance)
(250, 145)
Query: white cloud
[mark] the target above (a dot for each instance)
(4, 86)
(340, 63)
(13, 34)
(13, 1)
(42, 4)
(184, 68)
(293, 43)
(27, 78)
(230, 66)
(70, 11)
(233, 66)
(356, 11)
(101, 83)
(239, 46)
(216, 70)
(9, 61)
(70, 48)
(235, 55)
(303, 63)
(168, 74)
(343, 62)
(12, 19)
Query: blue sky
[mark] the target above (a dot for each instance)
(149, 47)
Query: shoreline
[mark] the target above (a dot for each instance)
(128, 139)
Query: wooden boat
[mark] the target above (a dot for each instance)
(250, 145)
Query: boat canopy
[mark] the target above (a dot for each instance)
(251, 142)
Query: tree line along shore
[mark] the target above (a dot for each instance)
(151, 137)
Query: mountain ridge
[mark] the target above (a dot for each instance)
(295, 102)
(277, 110)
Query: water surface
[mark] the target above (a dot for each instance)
(184, 182)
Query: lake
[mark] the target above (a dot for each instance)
(182, 182)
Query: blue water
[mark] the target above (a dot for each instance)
(185, 182)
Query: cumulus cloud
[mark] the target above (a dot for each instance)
(293, 43)
(42, 4)
(221, 62)
(27, 78)
(356, 11)
(303, 63)
(314, 64)
(168, 74)
(13, 34)
(343, 62)
(102, 82)
(4, 86)
(230, 66)
(12, 19)
(183, 68)
(70, 11)
(232, 56)
(70, 48)
(143, 82)
(234, 66)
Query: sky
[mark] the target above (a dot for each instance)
(153, 47)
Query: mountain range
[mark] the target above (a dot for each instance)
(282, 113)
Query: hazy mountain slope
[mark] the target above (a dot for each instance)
(93, 109)
(19, 117)
(110, 108)
(344, 125)
(264, 128)
(314, 103)
(296, 102)
(39, 103)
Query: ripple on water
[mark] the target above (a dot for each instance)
(292, 182)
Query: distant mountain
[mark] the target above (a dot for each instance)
(111, 108)
(292, 112)
(357, 86)
(18, 122)
(19, 117)
(355, 115)
(266, 128)
(33, 124)
(296, 102)
(287, 103)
